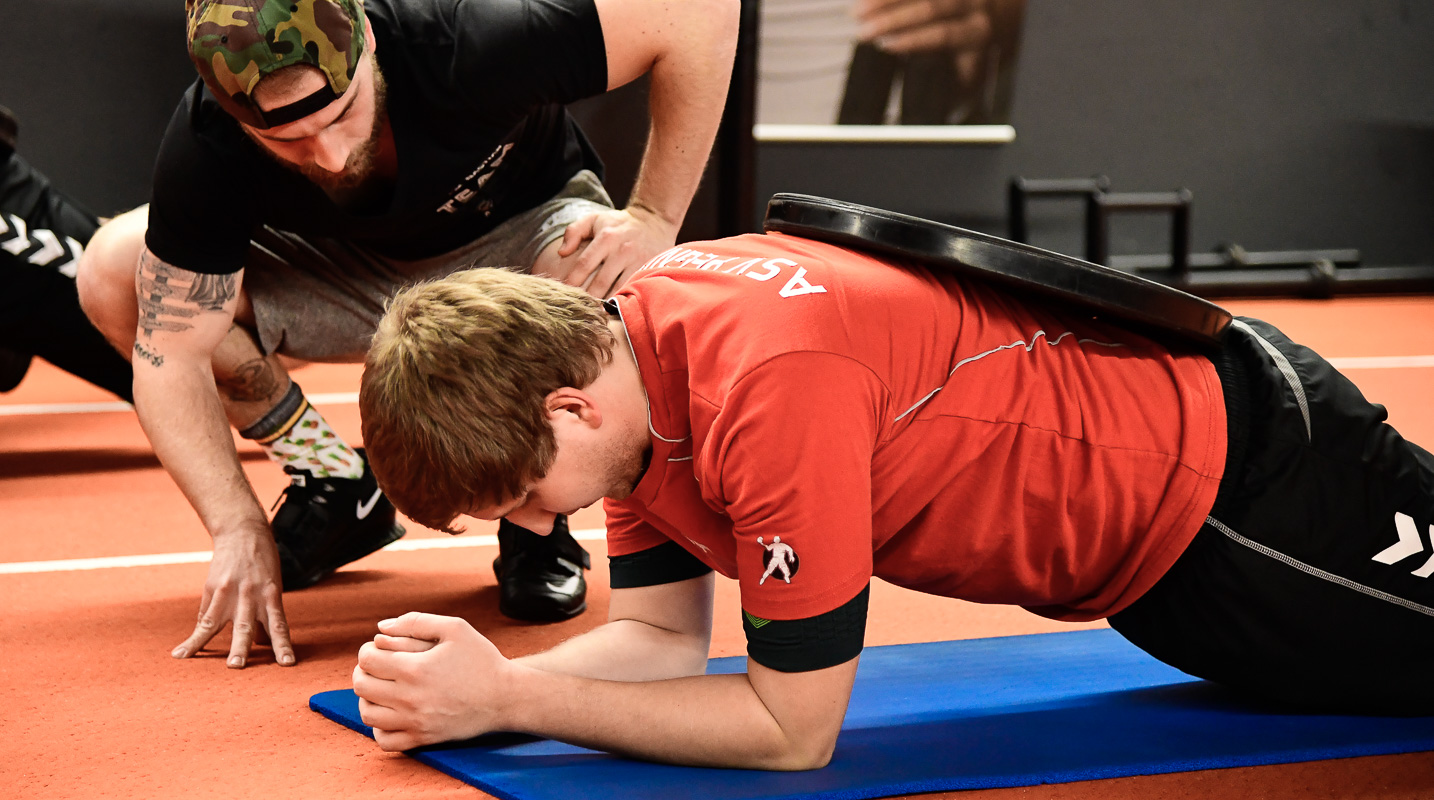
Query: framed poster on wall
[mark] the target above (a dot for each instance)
(887, 70)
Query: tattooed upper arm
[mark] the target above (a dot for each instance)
(175, 300)
(169, 296)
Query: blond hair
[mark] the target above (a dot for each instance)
(454, 387)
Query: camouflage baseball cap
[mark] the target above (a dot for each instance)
(234, 43)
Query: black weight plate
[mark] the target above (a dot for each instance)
(1117, 295)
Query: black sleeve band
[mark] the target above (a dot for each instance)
(665, 563)
(803, 645)
(285, 413)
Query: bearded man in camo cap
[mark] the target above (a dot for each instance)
(332, 152)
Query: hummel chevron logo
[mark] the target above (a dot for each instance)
(364, 508)
(50, 250)
(1409, 544)
(20, 242)
(16, 238)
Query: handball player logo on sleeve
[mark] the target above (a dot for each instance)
(778, 559)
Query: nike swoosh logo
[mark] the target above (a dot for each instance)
(365, 508)
(570, 584)
(566, 586)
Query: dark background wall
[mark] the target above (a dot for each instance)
(1297, 123)
(93, 83)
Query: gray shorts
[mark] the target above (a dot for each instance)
(319, 299)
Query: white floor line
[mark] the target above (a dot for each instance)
(349, 398)
(23, 409)
(165, 559)
(1382, 362)
(339, 398)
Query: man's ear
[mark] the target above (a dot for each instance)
(370, 42)
(567, 402)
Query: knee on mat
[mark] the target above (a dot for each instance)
(105, 277)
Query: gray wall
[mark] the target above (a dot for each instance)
(93, 83)
(1297, 123)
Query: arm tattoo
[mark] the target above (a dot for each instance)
(252, 381)
(148, 355)
(211, 292)
(159, 286)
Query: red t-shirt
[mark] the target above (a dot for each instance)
(933, 431)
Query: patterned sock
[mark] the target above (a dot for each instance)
(295, 435)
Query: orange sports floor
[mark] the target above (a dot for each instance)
(92, 706)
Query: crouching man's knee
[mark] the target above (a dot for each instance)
(105, 279)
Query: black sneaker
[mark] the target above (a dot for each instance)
(325, 523)
(13, 367)
(540, 578)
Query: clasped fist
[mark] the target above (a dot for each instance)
(426, 679)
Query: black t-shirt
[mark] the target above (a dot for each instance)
(475, 94)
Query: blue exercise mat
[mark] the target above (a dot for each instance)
(974, 714)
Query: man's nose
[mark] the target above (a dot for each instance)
(330, 152)
(535, 520)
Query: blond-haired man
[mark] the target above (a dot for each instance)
(1246, 517)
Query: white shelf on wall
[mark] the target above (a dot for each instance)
(933, 134)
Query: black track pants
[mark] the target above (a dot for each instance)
(41, 236)
(1312, 581)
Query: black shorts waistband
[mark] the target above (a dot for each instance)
(1235, 386)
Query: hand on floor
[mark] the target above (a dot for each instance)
(243, 589)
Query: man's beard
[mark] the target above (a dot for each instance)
(360, 165)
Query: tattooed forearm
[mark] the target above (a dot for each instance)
(159, 286)
(252, 381)
(152, 357)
